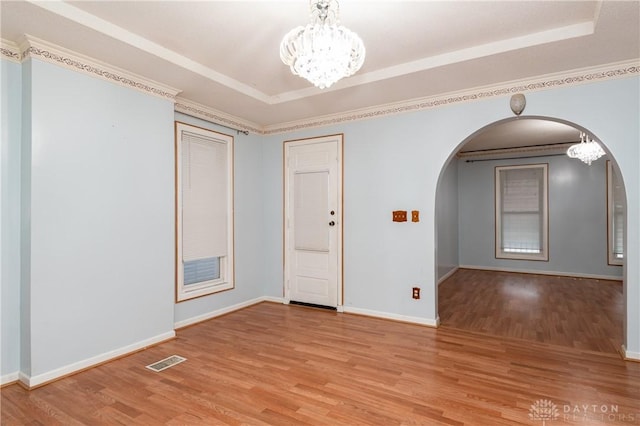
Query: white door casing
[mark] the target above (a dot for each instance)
(313, 220)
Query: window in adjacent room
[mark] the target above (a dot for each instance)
(204, 212)
(616, 206)
(522, 212)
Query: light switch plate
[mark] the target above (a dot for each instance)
(399, 215)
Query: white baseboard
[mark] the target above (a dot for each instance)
(271, 299)
(225, 310)
(395, 317)
(448, 274)
(534, 271)
(33, 381)
(632, 356)
(9, 378)
(345, 309)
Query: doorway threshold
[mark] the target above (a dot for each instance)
(313, 305)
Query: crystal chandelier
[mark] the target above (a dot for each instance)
(324, 51)
(587, 150)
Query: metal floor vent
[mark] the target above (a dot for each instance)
(166, 363)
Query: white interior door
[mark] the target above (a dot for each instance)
(313, 221)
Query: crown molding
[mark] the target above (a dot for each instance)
(549, 81)
(10, 51)
(32, 47)
(79, 16)
(206, 113)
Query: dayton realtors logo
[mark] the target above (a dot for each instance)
(544, 410)
(606, 413)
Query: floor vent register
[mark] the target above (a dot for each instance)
(166, 363)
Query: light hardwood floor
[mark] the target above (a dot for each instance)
(273, 364)
(576, 312)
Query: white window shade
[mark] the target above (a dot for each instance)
(521, 212)
(521, 208)
(204, 212)
(204, 195)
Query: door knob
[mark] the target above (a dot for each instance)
(332, 223)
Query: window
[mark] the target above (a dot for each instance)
(522, 212)
(204, 212)
(616, 206)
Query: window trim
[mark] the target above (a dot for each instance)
(611, 258)
(227, 270)
(499, 253)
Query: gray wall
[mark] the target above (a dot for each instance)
(98, 217)
(10, 292)
(577, 217)
(447, 249)
(90, 274)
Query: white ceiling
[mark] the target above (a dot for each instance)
(225, 54)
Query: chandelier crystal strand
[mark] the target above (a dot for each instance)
(324, 51)
(586, 151)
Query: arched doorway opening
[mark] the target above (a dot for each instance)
(575, 296)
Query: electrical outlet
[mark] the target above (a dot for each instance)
(415, 216)
(416, 293)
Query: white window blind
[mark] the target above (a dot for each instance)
(618, 232)
(204, 212)
(521, 211)
(204, 195)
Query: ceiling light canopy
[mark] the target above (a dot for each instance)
(324, 51)
(586, 151)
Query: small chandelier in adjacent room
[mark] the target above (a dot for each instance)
(324, 51)
(587, 150)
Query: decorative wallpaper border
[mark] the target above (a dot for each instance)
(94, 70)
(45, 51)
(567, 79)
(209, 114)
(57, 55)
(11, 53)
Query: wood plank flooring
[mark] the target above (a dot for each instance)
(273, 364)
(576, 312)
